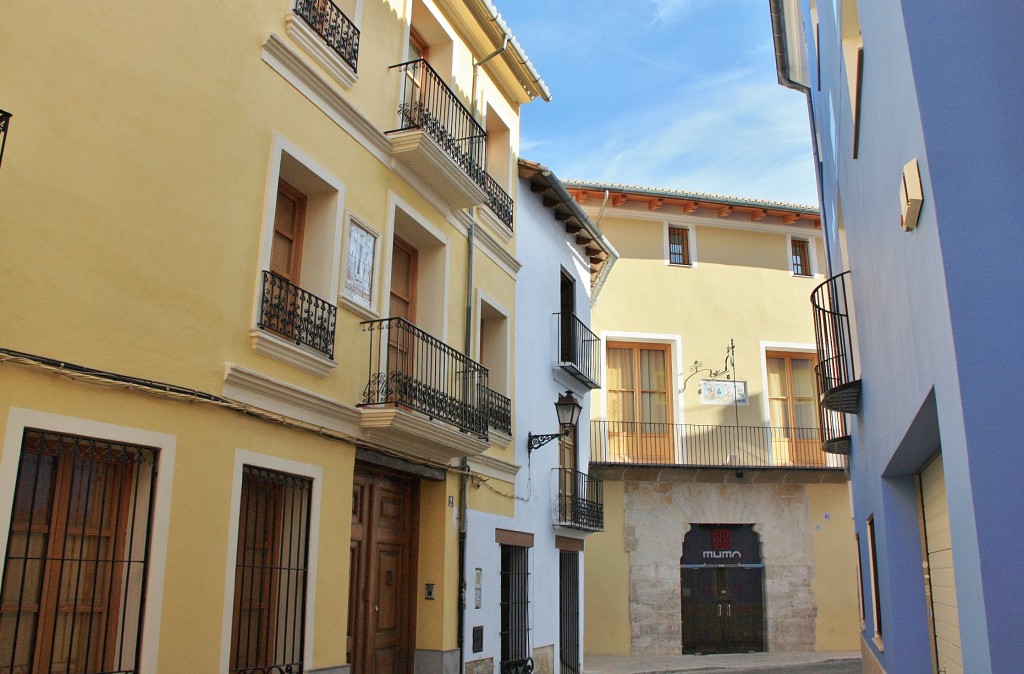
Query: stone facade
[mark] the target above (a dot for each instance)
(659, 508)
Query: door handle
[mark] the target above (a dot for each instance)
(376, 609)
(728, 610)
(719, 610)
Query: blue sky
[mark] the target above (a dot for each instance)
(678, 94)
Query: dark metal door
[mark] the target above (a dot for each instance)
(723, 609)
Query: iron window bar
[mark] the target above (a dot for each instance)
(579, 349)
(77, 563)
(710, 446)
(569, 612)
(515, 611)
(331, 24)
(413, 369)
(297, 314)
(580, 502)
(269, 607)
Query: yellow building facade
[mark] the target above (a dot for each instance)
(252, 253)
(727, 529)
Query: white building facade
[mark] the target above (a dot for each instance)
(524, 566)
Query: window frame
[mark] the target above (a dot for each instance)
(274, 486)
(514, 631)
(687, 242)
(311, 472)
(789, 357)
(320, 265)
(20, 419)
(800, 260)
(637, 347)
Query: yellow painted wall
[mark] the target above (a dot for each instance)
(200, 514)
(132, 202)
(835, 567)
(606, 580)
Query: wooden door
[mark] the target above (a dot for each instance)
(401, 341)
(383, 573)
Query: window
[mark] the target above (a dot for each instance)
(860, 582)
(297, 289)
(679, 246)
(567, 317)
(876, 611)
(853, 55)
(72, 594)
(515, 605)
(569, 612)
(793, 409)
(289, 221)
(269, 607)
(800, 257)
(639, 417)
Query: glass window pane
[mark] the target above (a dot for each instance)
(777, 385)
(620, 368)
(654, 408)
(621, 406)
(652, 370)
(803, 377)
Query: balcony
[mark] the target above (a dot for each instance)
(334, 28)
(410, 369)
(706, 446)
(498, 409)
(439, 140)
(498, 200)
(579, 350)
(837, 375)
(297, 315)
(580, 503)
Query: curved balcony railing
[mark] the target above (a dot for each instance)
(5, 124)
(836, 371)
(413, 369)
(579, 349)
(297, 314)
(580, 502)
(331, 24)
(708, 446)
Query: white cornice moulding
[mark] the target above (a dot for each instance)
(490, 466)
(488, 217)
(273, 395)
(417, 436)
(286, 352)
(317, 49)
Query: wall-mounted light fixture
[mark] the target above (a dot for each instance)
(5, 123)
(568, 410)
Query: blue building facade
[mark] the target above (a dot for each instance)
(917, 113)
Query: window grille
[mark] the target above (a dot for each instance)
(678, 245)
(569, 612)
(801, 258)
(74, 577)
(515, 613)
(268, 626)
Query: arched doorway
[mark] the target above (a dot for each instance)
(722, 589)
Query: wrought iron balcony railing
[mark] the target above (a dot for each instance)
(499, 411)
(428, 104)
(330, 23)
(580, 501)
(699, 445)
(498, 200)
(579, 349)
(5, 124)
(837, 374)
(412, 369)
(297, 314)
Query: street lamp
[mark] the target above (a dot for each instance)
(568, 410)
